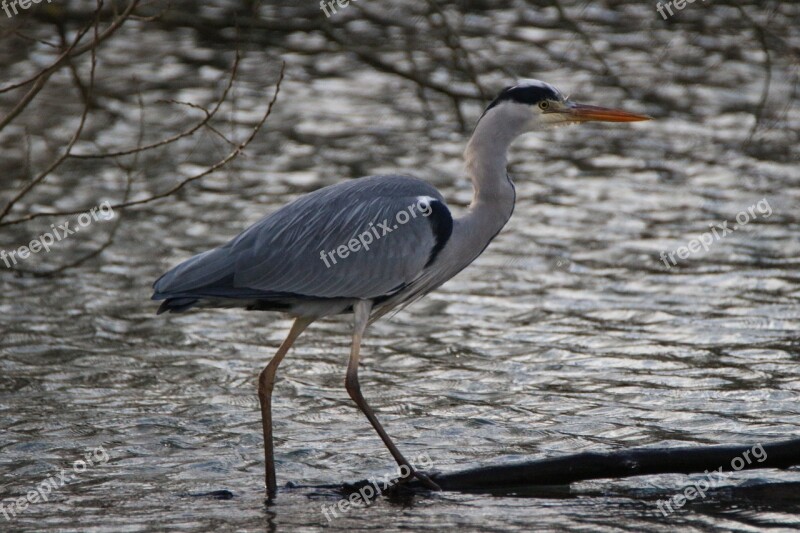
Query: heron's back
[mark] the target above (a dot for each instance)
(362, 239)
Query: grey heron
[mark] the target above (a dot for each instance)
(311, 259)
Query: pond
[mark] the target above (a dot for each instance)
(645, 293)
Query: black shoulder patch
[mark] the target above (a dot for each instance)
(441, 222)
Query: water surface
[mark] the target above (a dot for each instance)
(570, 333)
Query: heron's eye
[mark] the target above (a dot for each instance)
(544, 105)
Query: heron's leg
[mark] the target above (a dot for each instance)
(266, 381)
(361, 311)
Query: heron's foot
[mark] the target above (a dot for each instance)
(423, 478)
(428, 482)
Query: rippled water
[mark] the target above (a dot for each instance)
(568, 334)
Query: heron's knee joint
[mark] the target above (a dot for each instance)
(266, 379)
(352, 386)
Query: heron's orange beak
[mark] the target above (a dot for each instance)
(587, 113)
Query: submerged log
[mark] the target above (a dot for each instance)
(523, 476)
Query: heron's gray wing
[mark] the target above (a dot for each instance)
(363, 238)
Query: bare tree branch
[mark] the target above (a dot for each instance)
(63, 157)
(227, 159)
(208, 116)
(75, 50)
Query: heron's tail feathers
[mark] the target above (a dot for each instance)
(176, 305)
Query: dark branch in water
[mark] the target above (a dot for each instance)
(509, 478)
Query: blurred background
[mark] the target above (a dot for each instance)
(570, 333)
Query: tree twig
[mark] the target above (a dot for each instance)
(169, 140)
(172, 190)
(63, 157)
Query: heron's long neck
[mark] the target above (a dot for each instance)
(493, 201)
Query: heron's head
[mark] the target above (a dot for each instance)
(534, 104)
